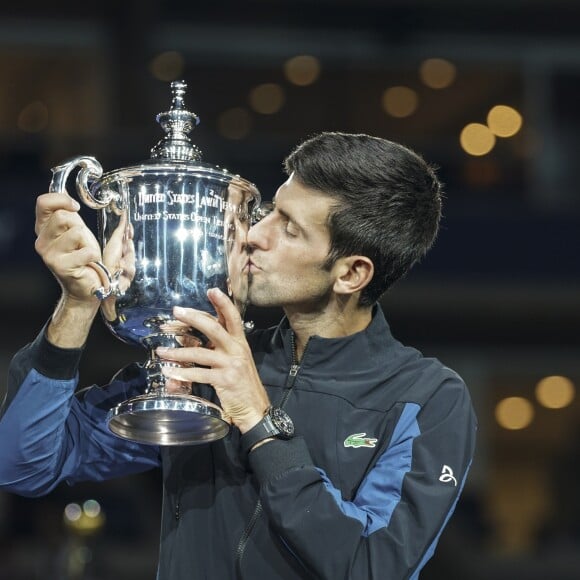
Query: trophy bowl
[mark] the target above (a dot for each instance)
(169, 228)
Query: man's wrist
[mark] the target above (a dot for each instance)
(276, 424)
(53, 361)
(71, 322)
(251, 421)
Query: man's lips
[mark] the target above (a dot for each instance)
(251, 267)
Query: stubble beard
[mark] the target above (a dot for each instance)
(254, 293)
(265, 295)
(262, 294)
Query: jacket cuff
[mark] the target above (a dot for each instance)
(52, 361)
(277, 457)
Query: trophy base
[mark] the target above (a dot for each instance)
(168, 420)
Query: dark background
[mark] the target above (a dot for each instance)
(496, 299)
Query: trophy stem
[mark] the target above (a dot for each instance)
(156, 381)
(161, 418)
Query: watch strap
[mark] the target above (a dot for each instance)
(275, 423)
(264, 429)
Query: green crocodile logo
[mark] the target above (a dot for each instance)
(360, 440)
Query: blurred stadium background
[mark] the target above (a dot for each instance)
(486, 90)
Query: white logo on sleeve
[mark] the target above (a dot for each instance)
(447, 475)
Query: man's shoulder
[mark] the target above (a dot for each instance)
(418, 377)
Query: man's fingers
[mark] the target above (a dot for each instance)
(227, 311)
(48, 203)
(68, 247)
(64, 222)
(105, 282)
(205, 323)
(189, 375)
(59, 240)
(70, 257)
(194, 355)
(76, 259)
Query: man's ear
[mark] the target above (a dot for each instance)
(353, 273)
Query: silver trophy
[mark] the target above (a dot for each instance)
(169, 228)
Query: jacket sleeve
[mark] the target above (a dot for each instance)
(50, 435)
(390, 528)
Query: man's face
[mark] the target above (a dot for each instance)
(288, 249)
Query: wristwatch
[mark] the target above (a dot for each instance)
(276, 423)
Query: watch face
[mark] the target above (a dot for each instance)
(281, 420)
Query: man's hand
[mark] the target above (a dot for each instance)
(67, 246)
(230, 366)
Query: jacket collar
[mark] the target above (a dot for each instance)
(375, 338)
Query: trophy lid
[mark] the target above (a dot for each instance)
(175, 153)
(177, 123)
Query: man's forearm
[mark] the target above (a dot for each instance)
(71, 322)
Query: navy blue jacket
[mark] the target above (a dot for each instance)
(385, 440)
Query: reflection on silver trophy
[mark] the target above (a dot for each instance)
(169, 228)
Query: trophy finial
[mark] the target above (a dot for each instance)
(177, 123)
(178, 89)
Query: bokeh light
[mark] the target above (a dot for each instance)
(267, 98)
(437, 73)
(555, 392)
(504, 121)
(476, 139)
(85, 520)
(302, 70)
(92, 508)
(73, 512)
(514, 413)
(400, 101)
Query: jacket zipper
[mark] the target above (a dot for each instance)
(290, 380)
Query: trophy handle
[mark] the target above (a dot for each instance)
(91, 169)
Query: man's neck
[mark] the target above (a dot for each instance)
(332, 322)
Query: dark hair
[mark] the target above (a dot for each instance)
(388, 201)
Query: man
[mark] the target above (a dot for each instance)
(383, 436)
